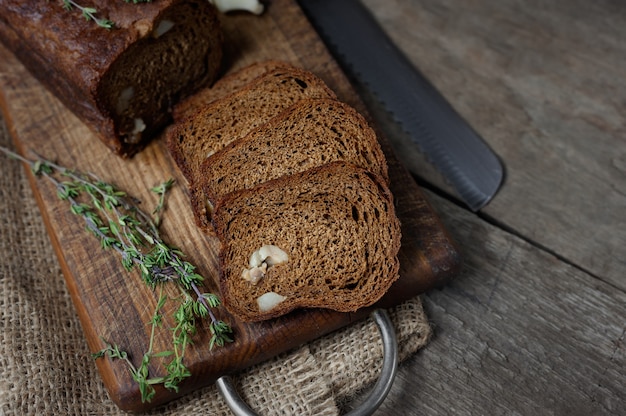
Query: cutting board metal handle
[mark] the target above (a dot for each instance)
(374, 400)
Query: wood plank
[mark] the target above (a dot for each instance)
(518, 332)
(529, 327)
(542, 83)
(117, 307)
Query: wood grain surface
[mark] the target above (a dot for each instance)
(115, 305)
(542, 83)
(535, 324)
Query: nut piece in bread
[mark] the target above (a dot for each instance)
(267, 256)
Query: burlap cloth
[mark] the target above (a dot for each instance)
(46, 368)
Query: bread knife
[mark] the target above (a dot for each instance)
(363, 49)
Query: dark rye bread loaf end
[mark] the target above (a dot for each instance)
(122, 82)
(337, 228)
(310, 133)
(213, 127)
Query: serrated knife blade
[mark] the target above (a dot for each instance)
(364, 50)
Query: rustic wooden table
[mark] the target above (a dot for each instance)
(536, 321)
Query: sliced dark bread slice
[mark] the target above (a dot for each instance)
(335, 225)
(226, 85)
(308, 134)
(233, 116)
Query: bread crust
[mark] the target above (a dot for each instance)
(74, 57)
(225, 86)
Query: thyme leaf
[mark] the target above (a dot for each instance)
(89, 13)
(161, 190)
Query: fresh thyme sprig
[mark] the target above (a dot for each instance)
(89, 13)
(161, 190)
(141, 374)
(114, 218)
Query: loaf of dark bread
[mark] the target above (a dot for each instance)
(327, 237)
(121, 82)
(213, 127)
(310, 133)
(224, 86)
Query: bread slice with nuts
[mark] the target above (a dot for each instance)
(327, 237)
(308, 134)
(209, 130)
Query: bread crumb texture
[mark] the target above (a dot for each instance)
(308, 134)
(337, 225)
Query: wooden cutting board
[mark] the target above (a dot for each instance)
(116, 305)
